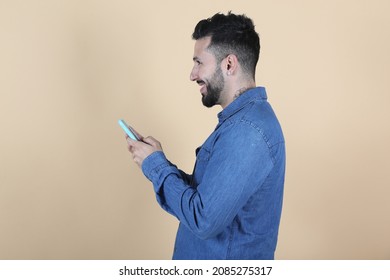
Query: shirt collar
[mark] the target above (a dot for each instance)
(240, 102)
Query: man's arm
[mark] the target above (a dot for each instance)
(232, 176)
(146, 147)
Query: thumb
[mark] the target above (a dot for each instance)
(149, 140)
(152, 142)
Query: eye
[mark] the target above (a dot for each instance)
(196, 60)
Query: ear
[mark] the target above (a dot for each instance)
(231, 64)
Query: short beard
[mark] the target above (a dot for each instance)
(214, 89)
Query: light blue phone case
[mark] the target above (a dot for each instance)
(126, 128)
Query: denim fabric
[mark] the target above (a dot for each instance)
(230, 207)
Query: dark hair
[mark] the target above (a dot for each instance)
(231, 34)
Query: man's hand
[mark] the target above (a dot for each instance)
(143, 148)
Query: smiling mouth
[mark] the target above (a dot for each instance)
(202, 85)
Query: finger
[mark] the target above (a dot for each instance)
(137, 160)
(131, 144)
(153, 142)
(130, 141)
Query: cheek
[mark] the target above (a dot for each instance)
(205, 74)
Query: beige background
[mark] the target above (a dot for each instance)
(70, 69)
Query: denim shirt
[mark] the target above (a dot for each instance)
(230, 207)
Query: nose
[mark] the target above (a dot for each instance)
(193, 75)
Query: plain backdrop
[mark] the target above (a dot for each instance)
(70, 69)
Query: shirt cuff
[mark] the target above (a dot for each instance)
(153, 164)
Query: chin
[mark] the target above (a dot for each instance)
(207, 103)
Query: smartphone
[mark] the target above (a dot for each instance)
(128, 130)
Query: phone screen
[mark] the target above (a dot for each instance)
(128, 130)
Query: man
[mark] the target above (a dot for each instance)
(230, 207)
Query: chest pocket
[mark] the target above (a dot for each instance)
(202, 160)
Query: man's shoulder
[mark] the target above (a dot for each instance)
(258, 117)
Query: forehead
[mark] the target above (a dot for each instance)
(200, 49)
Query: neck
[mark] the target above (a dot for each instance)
(241, 91)
(237, 91)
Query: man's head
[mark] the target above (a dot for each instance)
(231, 34)
(226, 47)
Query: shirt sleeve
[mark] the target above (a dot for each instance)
(237, 167)
(157, 169)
